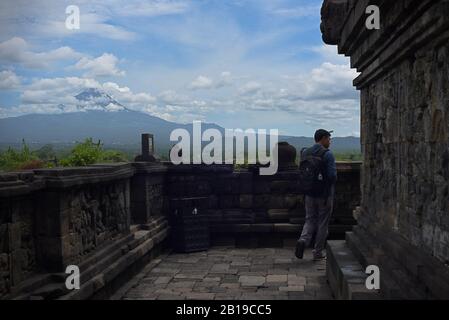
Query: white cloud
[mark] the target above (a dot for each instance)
(201, 82)
(125, 96)
(57, 95)
(323, 96)
(171, 97)
(102, 66)
(91, 24)
(16, 51)
(330, 54)
(250, 88)
(151, 8)
(329, 81)
(98, 18)
(9, 80)
(206, 83)
(226, 79)
(298, 12)
(56, 91)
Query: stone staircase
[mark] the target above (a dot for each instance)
(347, 261)
(107, 269)
(272, 228)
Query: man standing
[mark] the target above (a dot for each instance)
(318, 174)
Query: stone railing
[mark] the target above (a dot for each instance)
(108, 218)
(53, 218)
(242, 203)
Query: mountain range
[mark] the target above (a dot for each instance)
(101, 117)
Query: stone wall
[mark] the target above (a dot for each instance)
(80, 211)
(17, 218)
(242, 202)
(52, 218)
(404, 84)
(107, 219)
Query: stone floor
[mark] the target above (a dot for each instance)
(228, 274)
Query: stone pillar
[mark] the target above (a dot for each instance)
(286, 156)
(147, 149)
(147, 145)
(404, 84)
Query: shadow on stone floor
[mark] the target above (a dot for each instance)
(224, 273)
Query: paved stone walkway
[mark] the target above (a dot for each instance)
(229, 273)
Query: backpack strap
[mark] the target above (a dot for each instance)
(302, 151)
(322, 152)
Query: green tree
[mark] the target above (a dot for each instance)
(89, 152)
(12, 159)
(46, 153)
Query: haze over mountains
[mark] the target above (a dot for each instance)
(98, 115)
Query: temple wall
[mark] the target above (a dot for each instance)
(404, 89)
(406, 148)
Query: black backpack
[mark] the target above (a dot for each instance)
(312, 173)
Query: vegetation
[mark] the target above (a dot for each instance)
(89, 152)
(22, 159)
(348, 156)
(82, 154)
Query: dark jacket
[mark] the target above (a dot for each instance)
(331, 168)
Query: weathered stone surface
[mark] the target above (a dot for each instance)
(333, 14)
(295, 280)
(404, 73)
(240, 202)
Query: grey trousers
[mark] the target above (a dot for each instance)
(318, 214)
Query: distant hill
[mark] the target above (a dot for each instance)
(101, 117)
(339, 144)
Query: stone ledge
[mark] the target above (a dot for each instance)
(405, 25)
(149, 167)
(423, 274)
(199, 168)
(346, 166)
(69, 177)
(19, 183)
(289, 228)
(345, 274)
(418, 30)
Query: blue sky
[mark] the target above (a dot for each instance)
(238, 63)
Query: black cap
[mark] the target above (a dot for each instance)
(321, 133)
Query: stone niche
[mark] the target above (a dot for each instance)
(403, 221)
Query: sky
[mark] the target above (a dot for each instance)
(257, 64)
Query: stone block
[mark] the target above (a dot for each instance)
(15, 236)
(252, 281)
(246, 201)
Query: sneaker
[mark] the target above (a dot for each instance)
(319, 256)
(299, 252)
